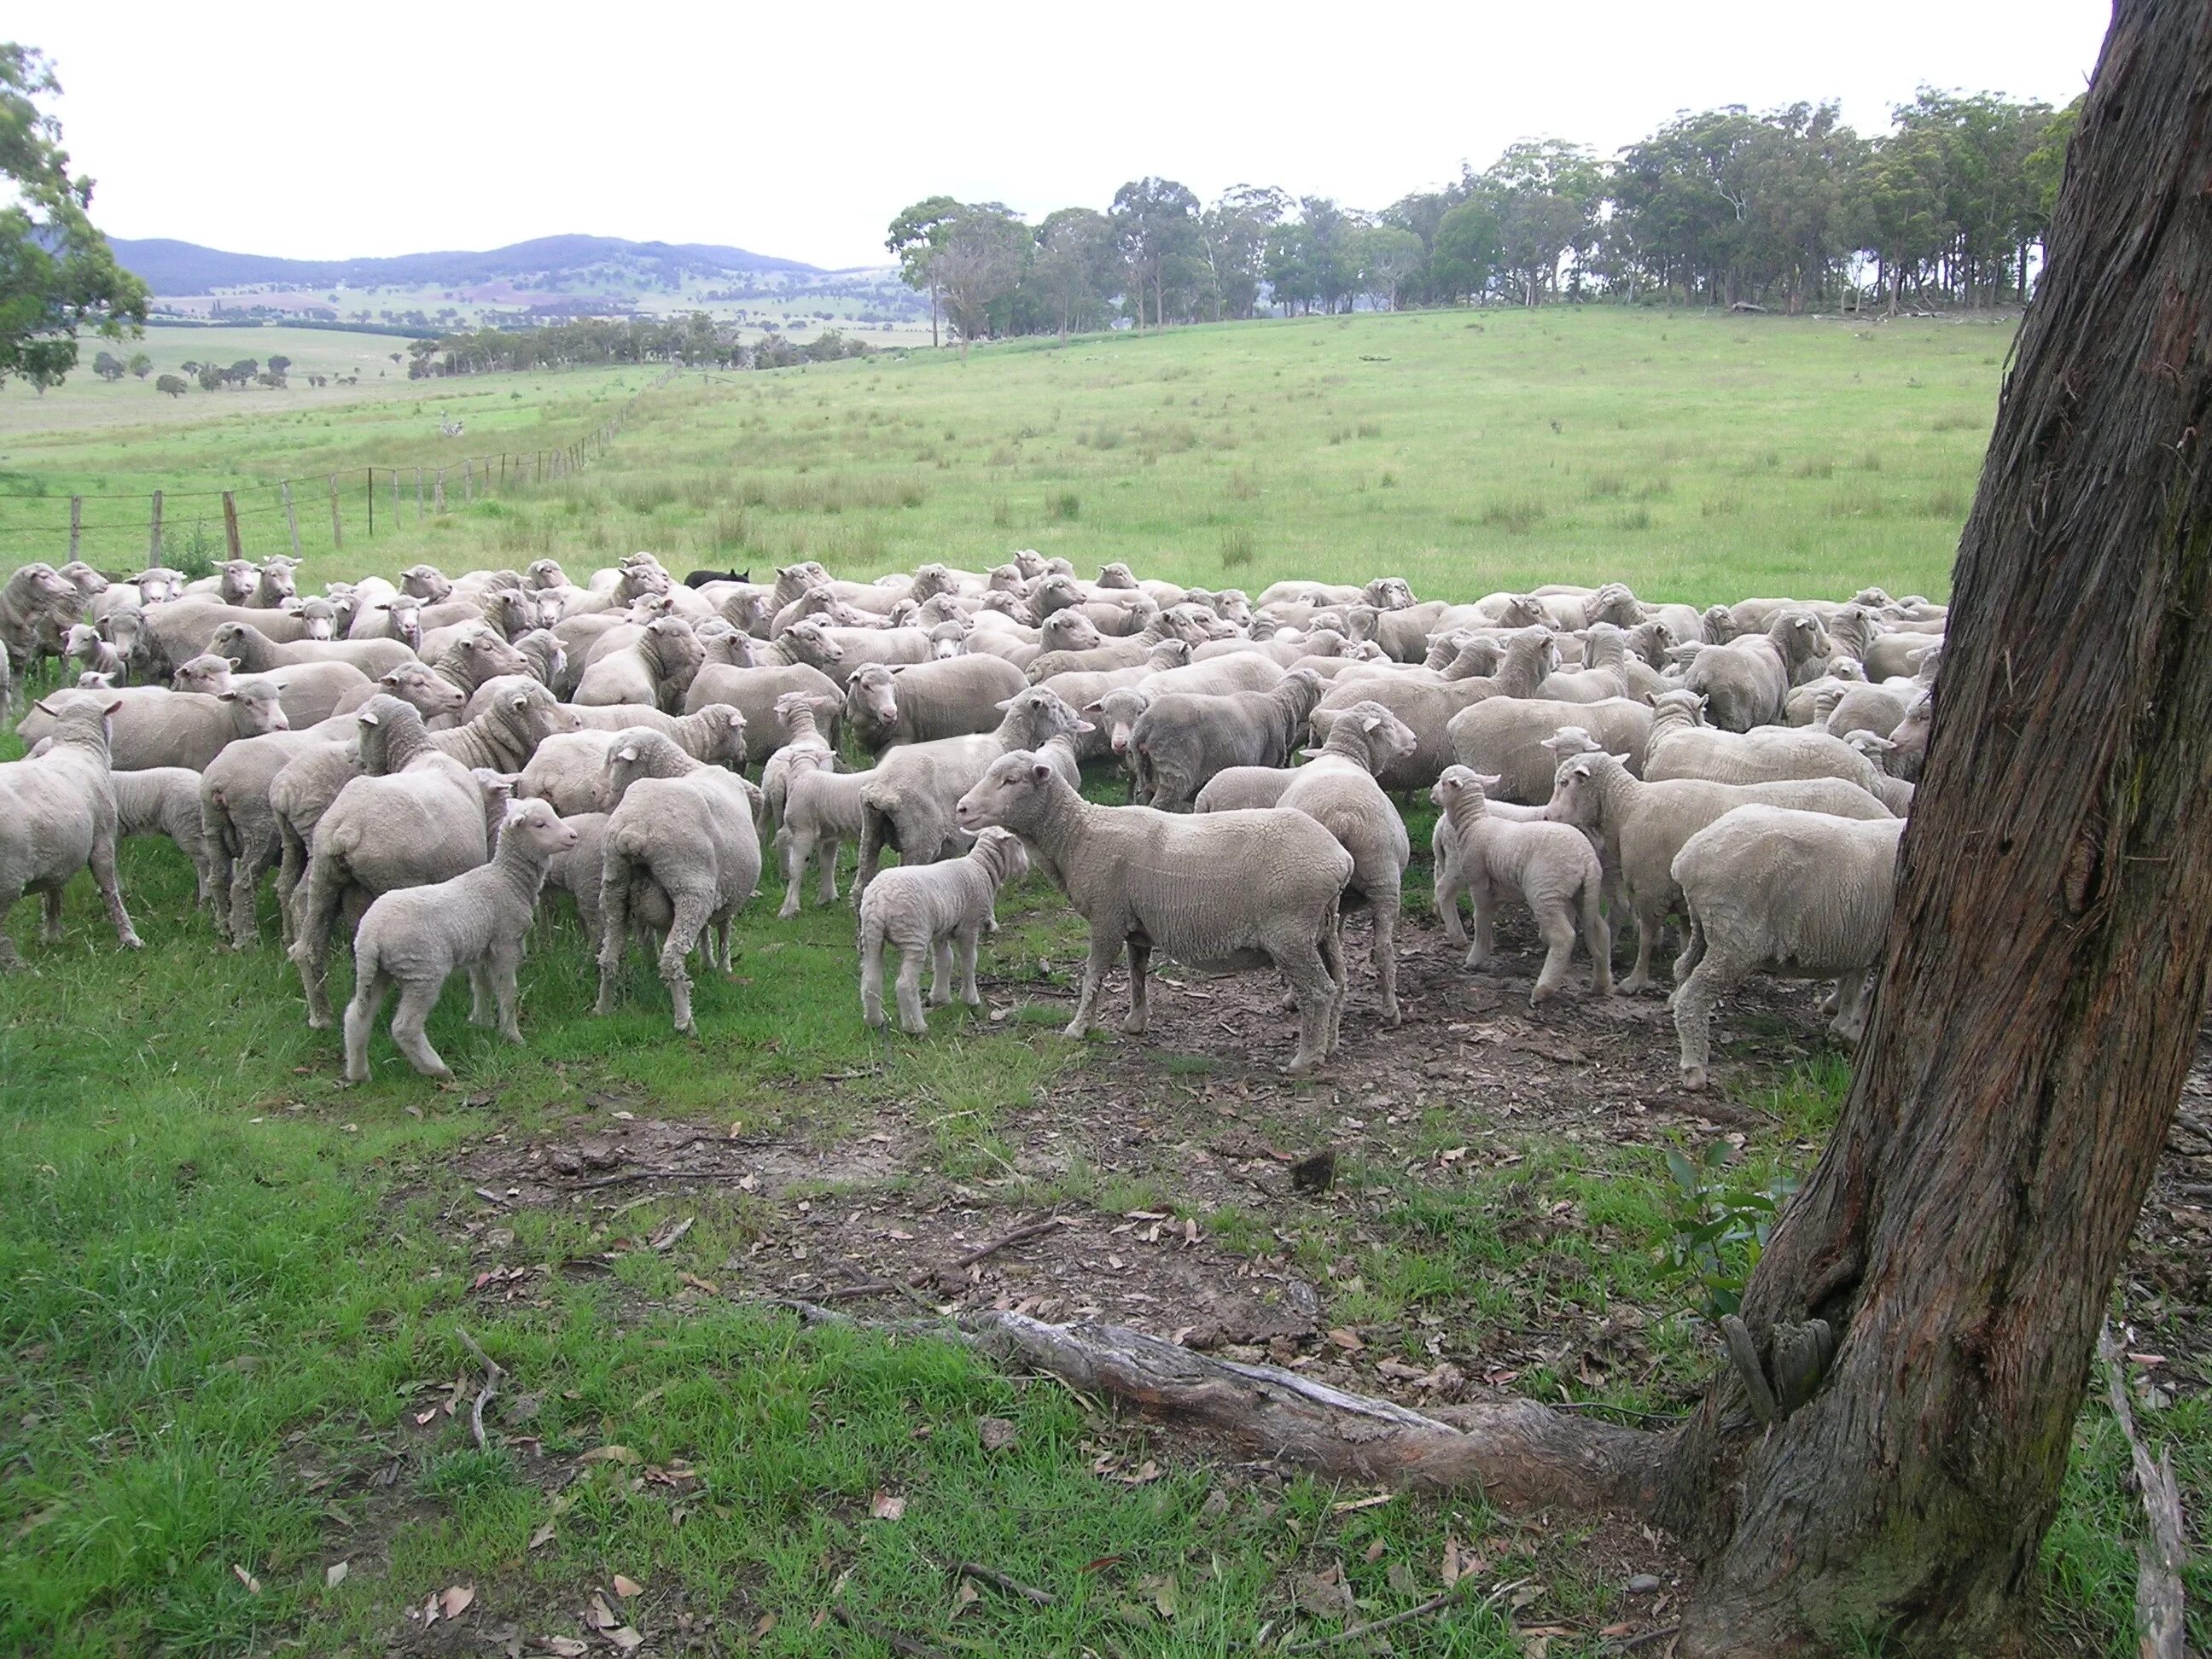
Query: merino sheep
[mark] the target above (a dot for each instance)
(1800, 894)
(307, 692)
(152, 726)
(823, 809)
(1225, 892)
(680, 837)
(1551, 867)
(934, 912)
(910, 799)
(252, 649)
(954, 697)
(802, 718)
(1646, 825)
(36, 603)
(567, 770)
(753, 692)
(1430, 709)
(165, 800)
(57, 816)
(95, 654)
(1680, 746)
(1182, 739)
(1512, 739)
(1747, 681)
(656, 669)
(415, 938)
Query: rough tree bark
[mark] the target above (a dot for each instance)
(2046, 969)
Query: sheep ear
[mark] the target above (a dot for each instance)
(1042, 771)
(40, 705)
(1311, 754)
(367, 719)
(238, 662)
(1003, 707)
(1490, 780)
(1370, 723)
(111, 707)
(228, 696)
(628, 751)
(1081, 727)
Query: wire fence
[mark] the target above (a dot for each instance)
(124, 531)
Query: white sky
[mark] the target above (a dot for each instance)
(324, 132)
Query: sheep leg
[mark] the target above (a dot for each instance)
(506, 992)
(1383, 900)
(1558, 928)
(417, 999)
(1449, 888)
(1140, 959)
(1597, 939)
(871, 848)
(479, 995)
(1105, 950)
(825, 857)
(1693, 952)
(1650, 921)
(1482, 940)
(11, 959)
(219, 878)
(691, 915)
(965, 940)
(291, 870)
(49, 916)
(614, 926)
(871, 977)
(103, 874)
(370, 986)
(794, 850)
(722, 938)
(1302, 964)
(911, 1018)
(310, 949)
(1694, 999)
(940, 972)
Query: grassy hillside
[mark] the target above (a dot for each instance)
(1693, 456)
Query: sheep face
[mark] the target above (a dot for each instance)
(1009, 795)
(544, 831)
(1388, 594)
(208, 673)
(81, 640)
(871, 699)
(1117, 712)
(425, 689)
(257, 703)
(320, 617)
(1575, 793)
(812, 644)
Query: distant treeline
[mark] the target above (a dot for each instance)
(1788, 209)
(695, 339)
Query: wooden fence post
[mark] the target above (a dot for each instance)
(438, 493)
(468, 481)
(291, 515)
(337, 534)
(230, 525)
(418, 495)
(372, 503)
(395, 498)
(76, 523)
(154, 538)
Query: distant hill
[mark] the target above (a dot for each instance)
(180, 268)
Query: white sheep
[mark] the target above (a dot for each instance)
(57, 817)
(154, 726)
(165, 800)
(933, 912)
(415, 938)
(1800, 894)
(568, 769)
(823, 809)
(1550, 867)
(1680, 745)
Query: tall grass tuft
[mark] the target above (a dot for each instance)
(1238, 546)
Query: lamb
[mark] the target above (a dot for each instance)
(656, 669)
(254, 651)
(1797, 893)
(958, 696)
(1879, 709)
(566, 770)
(680, 836)
(416, 816)
(1609, 669)
(823, 809)
(307, 692)
(152, 726)
(1184, 739)
(1225, 892)
(434, 696)
(165, 800)
(35, 603)
(935, 911)
(241, 832)
(1748, 680)
(1646, 825)
(57, 816)
(840, 652)
(1430, 709)
(1550, 866)
(1338, 789)
(518, 716)
(97, 655)
(477, 655)
(753, 692)
(1450, 882)
(802, 718)
(910, 799)
(1681, 746)
(173, 634)
(414, 938)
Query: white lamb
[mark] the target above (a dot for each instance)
(933, 911)
(415, 938)
(1551, 867)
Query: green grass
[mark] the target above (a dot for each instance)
(228, 1289)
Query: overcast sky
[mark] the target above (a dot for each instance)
(325, 132)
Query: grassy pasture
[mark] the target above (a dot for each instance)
(229, 1289)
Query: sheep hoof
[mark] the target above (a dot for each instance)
(131, 942)
(1694, 1078)
(318, 1021)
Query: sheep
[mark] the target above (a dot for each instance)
(840, 652)
(415, 938)
(680, 838)
(35, 603)
(1188, 623)
(239, 828)
(1449, 884)
(1184, 739)
(57, 817)
(1748, 680)
(1338, 789)
(307, 692)
(478, 654)
(1215, 676)
(801, 718)
(250, 647)
(937, 912)
(273, 585)
(1801, 894)
(1681, 746)
(1609, 669)
(1550, 866)
(566, 770)
(657, 669)
(1080, 690)
(909, 798)
(953, 698)
(416, 816)
(1879, 709)
(434, 696)
(753, 692)
(1430, 709)
(165, 800)
(520, 715)
(232, 583)
(1223, 893)
(400, 617)
(823, 809)
(1646, 825)
(173, 634)
(152, 726)
(98, 656)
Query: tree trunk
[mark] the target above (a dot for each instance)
(2046, 964)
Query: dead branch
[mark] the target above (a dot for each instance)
(1354, 1632)
(1011, 1586)
(1020, 1235)
(2159, 1626)
(493, 1371)
(897, 1642)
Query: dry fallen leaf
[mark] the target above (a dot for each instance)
(627, 1588)
(885, 1507)
(335, 1574)
(764, 1624)
(601, 1616)
(252, 1584)
(996, 1432)
(622, 1454)
(1348, 1340)
(455, 1602)
(563, 1647)
(542, 1537)
(1375, 1550)
(625, 1639)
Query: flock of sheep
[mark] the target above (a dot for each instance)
(425, 760)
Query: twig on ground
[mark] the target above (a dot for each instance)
(1660, 1634)
(1011, 1586)
(905, 1290)
(1353, 1633)
(2159, 1626)
(890, 1639)
(1020, 1235)
(493, 1371)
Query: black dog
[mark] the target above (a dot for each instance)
(700, 578)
